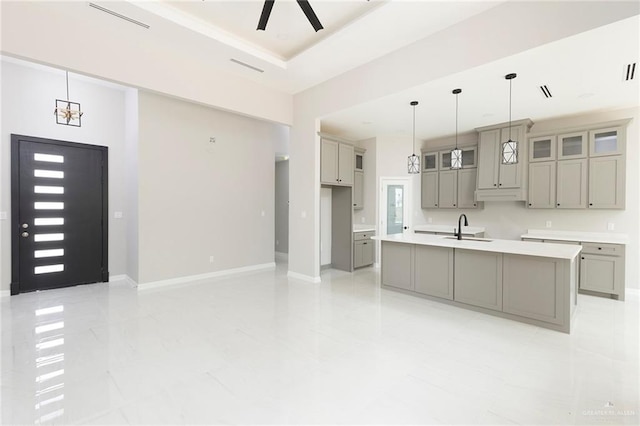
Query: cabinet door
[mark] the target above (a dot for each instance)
(358, 190)
(469, 157)
(572, 145)
(397, 264)
(445, 160)
(478, 278)
(510, 175)
(359, 160)
(358, 254)
(430, 161)
(542, 185)
(542, 149)
(533, 288)
(329, 162)
(488, 154)
(467, 188)
(429, 190)
(368, 252)
(609, 141)
(433, 273)
(345, 164)
(572, 184)
(448, 189)
(606, 182)
(601, 273)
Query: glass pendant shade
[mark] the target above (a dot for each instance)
(413, 164)
(456, 158)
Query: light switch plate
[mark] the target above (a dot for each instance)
(3, 215)
(303, 214)
(117, 215)
(611, 226)
(548, 224)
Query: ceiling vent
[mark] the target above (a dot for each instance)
(244, 64)
(117, 15)
(545, 91)
(629, 71)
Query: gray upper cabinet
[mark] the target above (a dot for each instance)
(542, 185)
(542, 149)
(607, 182)
(607, 141)
(467, 188)
(572, 145)
(469, 157)
(488, 159)
(429, 190)
(359, 159)
(448, 189)
(358, 190)
(430, 161)
(572, 184)
(336, 163)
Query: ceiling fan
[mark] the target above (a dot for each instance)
(304, 5)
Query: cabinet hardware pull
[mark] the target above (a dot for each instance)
(590, 204)
(529, 204)
(599, 248)
(558, 204)
(495, 184)
(582, 258)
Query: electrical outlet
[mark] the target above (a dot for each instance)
(212, 139)
(611, 226)
(303, 214)
(3, 215)
(548, 224)
(277, 242)
(362, 220)
(117, 215)
(210, 259)
(429, 220)
(262, 213)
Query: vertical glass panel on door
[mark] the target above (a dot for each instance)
(395, 209)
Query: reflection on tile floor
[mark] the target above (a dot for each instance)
(264, 348)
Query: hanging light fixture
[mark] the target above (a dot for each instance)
(456, 154)
(510, 147)
(413, 161)
(68, 113)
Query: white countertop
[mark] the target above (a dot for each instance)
(448, 228)
(526, 248)
(364, 228)
(587, 237)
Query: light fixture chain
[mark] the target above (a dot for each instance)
(456, 121)
(510, 81)
(414, 130)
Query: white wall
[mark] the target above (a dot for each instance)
(282, 207)
(28, 100)
(509, 220)
(131, 176)
(199, 199)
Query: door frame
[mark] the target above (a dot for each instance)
(382, 205)
(15, 202)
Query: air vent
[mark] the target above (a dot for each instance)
(117, 15)
(244, 64)
(629, 71)
(545, 91)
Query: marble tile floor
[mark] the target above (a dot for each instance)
(262, 348)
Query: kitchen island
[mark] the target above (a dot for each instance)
(531, 282)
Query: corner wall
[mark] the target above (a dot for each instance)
(199, 199)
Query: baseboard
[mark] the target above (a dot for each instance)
(5, 293)
(123, 277)
(303, 277)
(284, 257)
(216, 274)
(376, 265)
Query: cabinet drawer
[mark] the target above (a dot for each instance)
(358, 236)
(606, 249)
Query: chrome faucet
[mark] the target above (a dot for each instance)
(466, 223)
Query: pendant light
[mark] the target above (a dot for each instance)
(456, 154)
(413, 161)
(68, 113)
(510, 147)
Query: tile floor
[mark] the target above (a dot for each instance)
(263, 349)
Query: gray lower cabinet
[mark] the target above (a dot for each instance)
(398, 265)
(533, 288)
(363, 249)
(478, 278)
(433, 272)
(602, 269)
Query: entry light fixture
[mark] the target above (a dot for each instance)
(413, 161)
(456, 154)
(510, 147)
(68, 113)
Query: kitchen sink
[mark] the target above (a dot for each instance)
(469, 239)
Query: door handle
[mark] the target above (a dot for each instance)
(406, 227)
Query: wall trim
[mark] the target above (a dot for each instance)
(302, 277)
(281, 256)
(123, 277)
(216, 274)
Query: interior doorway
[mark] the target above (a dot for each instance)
(59, 214)
(395, 206)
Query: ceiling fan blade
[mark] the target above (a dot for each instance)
(266, 12)
(311, 16)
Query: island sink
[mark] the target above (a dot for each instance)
(469, 239)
